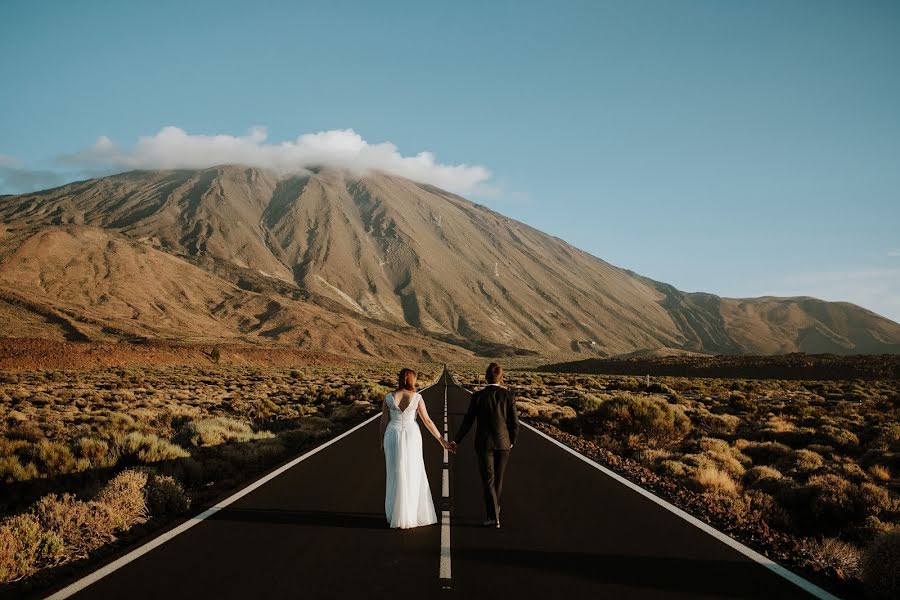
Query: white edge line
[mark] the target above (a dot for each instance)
(755, 556)
(120, 562)
(748, 552)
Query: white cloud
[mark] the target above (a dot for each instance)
(173, 148)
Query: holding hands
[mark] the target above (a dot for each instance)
(451, 446)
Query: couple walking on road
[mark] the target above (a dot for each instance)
(407, 500)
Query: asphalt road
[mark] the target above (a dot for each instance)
(318, 531)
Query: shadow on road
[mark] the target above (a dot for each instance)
(665, 573)
(356, 520)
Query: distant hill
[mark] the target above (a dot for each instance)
(375, 265)
(819, 367)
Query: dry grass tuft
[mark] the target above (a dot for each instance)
(712, 479)
(880, 473)
(833, 555)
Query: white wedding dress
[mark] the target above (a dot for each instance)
(407, 498)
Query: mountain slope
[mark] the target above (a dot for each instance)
(394, 254)
(85, 283)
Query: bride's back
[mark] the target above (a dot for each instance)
(401, 403)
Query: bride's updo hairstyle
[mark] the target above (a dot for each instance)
(407, 380)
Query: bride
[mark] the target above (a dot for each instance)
(407, 498)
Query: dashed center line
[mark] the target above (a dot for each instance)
(444, 572)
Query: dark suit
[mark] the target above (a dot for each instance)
(493, 409)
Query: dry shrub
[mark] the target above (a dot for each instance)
(801, 462)
(874, 499)
(766, 453)
(584, 403)
(881, 565)
(724, 455)
(763, 478)
(96, 452)
(354, 410)
(825, 504)
(12, 469)
(852, 471)
(146, 448)
(644, 418)
(544, 411)
(833, 556)
(166, 496)
(53, 458)
(717, 425)
(58, 529)
(711, 479)
(652, 456)
(20, 542)
(834, 436)
(77, 526)
(26, 431)
(124, 497)
(672, 468)
(218, 430)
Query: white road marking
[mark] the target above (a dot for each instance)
(444, 569)
(746, 551)
(445, 547)
(120, 562)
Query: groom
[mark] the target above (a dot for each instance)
(493, 408)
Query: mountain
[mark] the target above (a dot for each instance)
(372, 264)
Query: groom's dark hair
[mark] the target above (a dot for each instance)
(494, 373)
(407, 380)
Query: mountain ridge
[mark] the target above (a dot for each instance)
(385, 251)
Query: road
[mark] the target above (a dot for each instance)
(318, 530)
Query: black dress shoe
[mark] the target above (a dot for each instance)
(490, 523)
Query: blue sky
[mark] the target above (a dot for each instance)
(737, 148)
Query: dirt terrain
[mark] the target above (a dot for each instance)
(820, 367)
(367, 265)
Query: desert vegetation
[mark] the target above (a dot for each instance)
(806, 471)
(87, 454)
